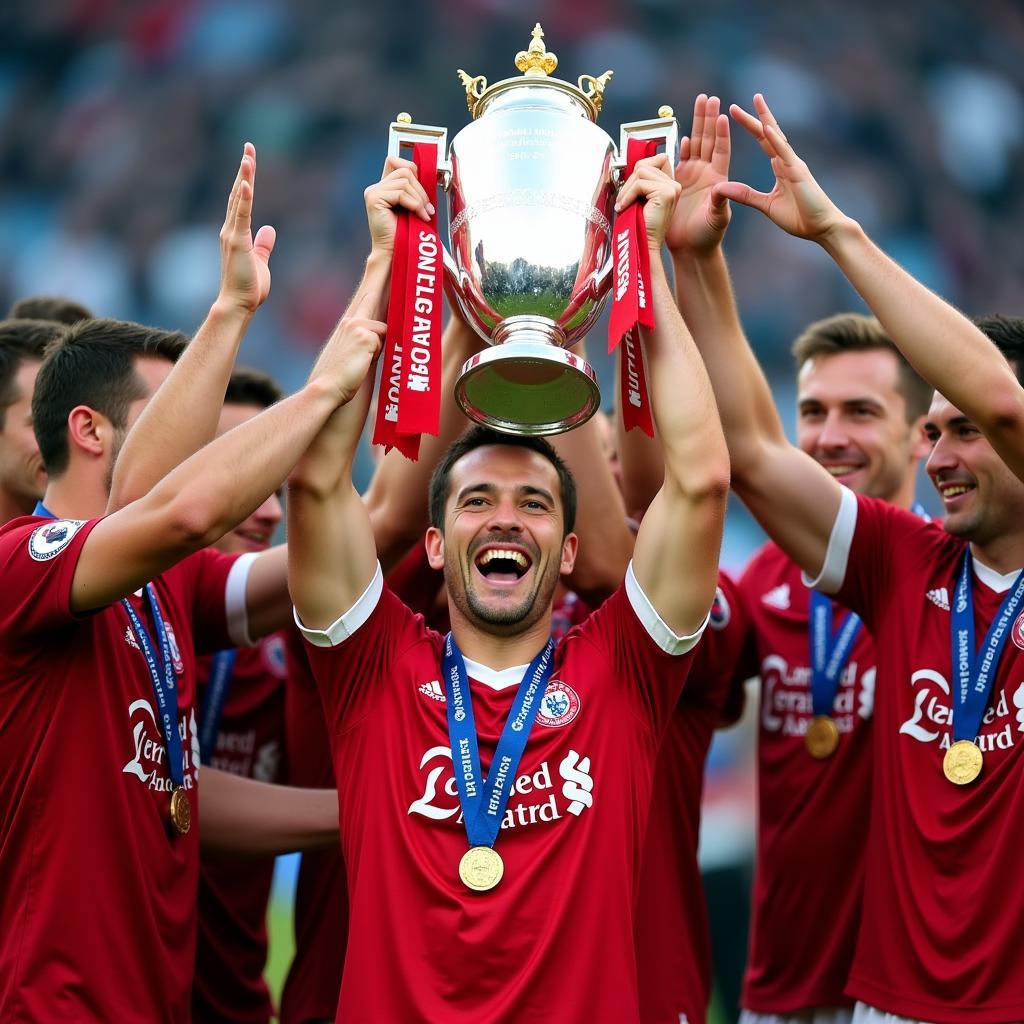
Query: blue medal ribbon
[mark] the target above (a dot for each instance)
(829, 653)
(161, 671)
(484, 801)
(975, 671)
(217, 686)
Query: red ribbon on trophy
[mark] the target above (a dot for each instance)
(409, 402)
(630, 305)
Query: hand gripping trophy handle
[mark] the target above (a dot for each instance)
(663, 127)
(404, 133)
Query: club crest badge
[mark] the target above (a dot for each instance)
(172, 642)
(50, 539)
(273, 657)
(1018, 631)
(559, 705)
(721, 613)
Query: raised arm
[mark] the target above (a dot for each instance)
(794, 498)
(606, 541)
(676, 556)
(332, 555)
(940, 343)
(182, 415)
(224, 482)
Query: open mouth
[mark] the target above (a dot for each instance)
(843, 470)
(502, 565)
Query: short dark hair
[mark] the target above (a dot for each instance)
(50, 307)
(21, 341)
(252, 387)
(478, 436)
(1007, 334)
(854, 332)
(93, 364)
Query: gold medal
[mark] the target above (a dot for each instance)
(481, 868)
(962, 763)
(181, 811)
(822, 737)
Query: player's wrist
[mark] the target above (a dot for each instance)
(840, 235)
(229, 310)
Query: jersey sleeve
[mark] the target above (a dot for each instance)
(218, 581)
(37, 567)
(354, 654)
(722, 660)
(872, 547)
(648, 660)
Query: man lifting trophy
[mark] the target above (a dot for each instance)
(531, 183)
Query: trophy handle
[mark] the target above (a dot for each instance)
(403, 132)
(664, 126)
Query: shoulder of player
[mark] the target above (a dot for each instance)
(30, 540)
(915, 541)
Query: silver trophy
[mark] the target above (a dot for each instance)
(531, 183)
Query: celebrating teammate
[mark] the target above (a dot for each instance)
(98, 620)
(942, 831)
(860, 415)
(560, 824)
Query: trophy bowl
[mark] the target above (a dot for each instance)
(531, 183)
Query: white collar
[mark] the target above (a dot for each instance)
(494, 678)
(997, 581)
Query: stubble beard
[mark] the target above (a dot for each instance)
(504, 620)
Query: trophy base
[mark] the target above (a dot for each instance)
(528, 387)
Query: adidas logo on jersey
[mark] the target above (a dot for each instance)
(433, 690)
(129, 638)
(777, 597)
(939, 597)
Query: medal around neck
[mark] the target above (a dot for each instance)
(481, 868)
(181, 811)
(963, 762)
(483, 800)
(822, 737)
(829, 656)
(974, 671)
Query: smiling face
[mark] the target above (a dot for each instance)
(852, 420)
(983, 501)
(503, 546)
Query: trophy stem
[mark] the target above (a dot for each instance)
(528, 385)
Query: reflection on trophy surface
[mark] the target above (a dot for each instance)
(531, 184)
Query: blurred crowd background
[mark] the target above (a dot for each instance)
(121, 126)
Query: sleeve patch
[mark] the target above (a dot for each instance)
(50, 539)
(721, 613)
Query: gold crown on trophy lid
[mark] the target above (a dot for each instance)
(535, 60)
(536, 63)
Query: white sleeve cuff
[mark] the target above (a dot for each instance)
(235, 606)
(347, 623)
(657, 628)
(833, 570)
